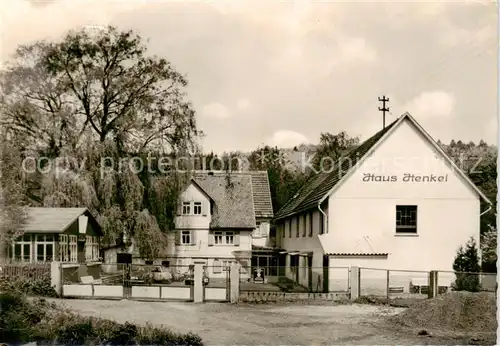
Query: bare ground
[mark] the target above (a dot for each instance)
(277, 324)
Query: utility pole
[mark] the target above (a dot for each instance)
(383, 109)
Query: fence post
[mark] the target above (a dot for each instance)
(433, 284)
(387, 287)
(234, 280)
(198, 281)
(55, 276)
(355, 283)
(326, 273)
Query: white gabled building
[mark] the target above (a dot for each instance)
(223, 217)
(395, 202)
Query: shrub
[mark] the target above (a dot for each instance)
(22, 321)
(467, 262)
(36, 287)
(18, 316)
(150, 335)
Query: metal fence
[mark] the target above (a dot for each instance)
(466, 281)
(34, 271)
(390, 284)
(393, 284)
(134, 281)
(296, 279)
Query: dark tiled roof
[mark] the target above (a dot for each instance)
(51, 220)
(233, 203)
(319, 184)
(261, 191)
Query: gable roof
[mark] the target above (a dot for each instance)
(54, 220)
(261, 191)
(321, 185)
(233, 203)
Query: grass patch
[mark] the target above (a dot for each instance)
(394, 302)
(23, 321)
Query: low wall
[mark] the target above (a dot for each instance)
(150, 292)
(252, 297)
(108, 291)
(181, 293)
(219, 294)
(77, 290)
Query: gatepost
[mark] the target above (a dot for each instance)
(355, 283)
(56, 276)
(433, 284)
(198, 288)
(234, 283)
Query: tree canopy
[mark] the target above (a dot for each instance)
(97, 110)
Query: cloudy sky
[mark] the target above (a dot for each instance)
(280, 73)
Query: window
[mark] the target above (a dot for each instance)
(22, 249)
(261, 230)
(186, 237)
(192, 208)
(218, 237)
(73, 249)
(186, 208)
(406, 219)
(223, 238)
(63, 248)
(197, 208)
(229, 238)
(297, 231)
(289, 224)
(44, 248)
(304, 224)
(264, 229)
(217, 267)
(226, 265)
(294, 263)
(311, 224)
(91, 248)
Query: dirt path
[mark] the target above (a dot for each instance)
(225, 324)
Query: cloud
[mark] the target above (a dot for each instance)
(24, 22)
(287, 138)
(356, 49)
(216, 110)
(432, 104)
(452, 35)
(243, 104)
(492, 129)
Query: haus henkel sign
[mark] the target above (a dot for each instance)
(406, 178)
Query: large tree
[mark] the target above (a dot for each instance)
(331, 147)
(101, 85)
(12, 195)
(104, 113)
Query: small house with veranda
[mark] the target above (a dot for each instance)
(70, 235)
